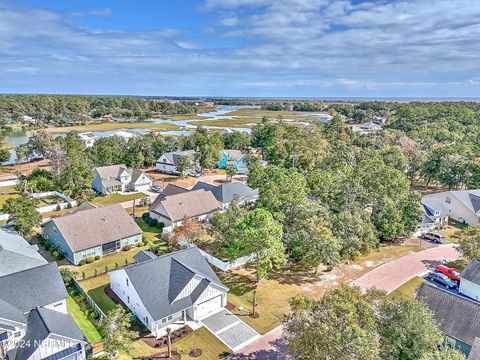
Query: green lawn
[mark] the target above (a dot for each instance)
(202, 338)
(95, 287)
(150, 233)
(110, 260)
(408, 289)
(117, 198)
(88, 329)
(8, 192)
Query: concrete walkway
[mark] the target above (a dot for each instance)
(395, 273)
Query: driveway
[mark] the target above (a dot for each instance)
(229, 329)
(395, 273)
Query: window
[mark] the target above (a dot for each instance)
(17, 334)
(448, 200)
(127, 282)
(128, 299)
(58, 304)
(164, 320)
(170, 317)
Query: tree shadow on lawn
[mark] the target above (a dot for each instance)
(295, 274)
(238, 284)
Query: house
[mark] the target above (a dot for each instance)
(366, 128)
(233, 158)
(114, 178)
(227, 193)
(34, 322)
(16, 254)
(458, 318)
(170, 290)
(91, 232)
(171, 210)
(171, 189)
(124, 134)
(470, 280)
(434, 214)
(462, 205)
(88, 138)
(168, 162)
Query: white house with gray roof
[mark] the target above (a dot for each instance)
(16, 254)
(34, 322)
(434, 214)
(169, 290)
(168, 162)
(228, 193)
(462, 205)
(92, 231)
(470, 280)
(109, 179)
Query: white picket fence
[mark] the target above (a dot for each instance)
(66, 200)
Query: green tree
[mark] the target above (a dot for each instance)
(23, 214)
(470, 242)
(185, 164)
(264, 236)
(67, 275)
(230, 172)
(116, 332)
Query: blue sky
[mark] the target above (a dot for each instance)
(290, 48)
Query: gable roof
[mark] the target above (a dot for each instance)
(470, 198)
(188, 204)
(41, 324)
(472, 271)
(111, 171)
(171, 189)
(16, 254)
(39, 286)
(89, 228)
(159, 281)
(430, 205)
(227, 192)
(458, 317)
(173, 156)
(144, 255)
(233, 154)
(10, 312)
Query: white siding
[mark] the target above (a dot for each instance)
(209, 293)
(128, 294)
(470, 289)
(187, 290)
(60, 306)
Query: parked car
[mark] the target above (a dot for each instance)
(442, 279)
(156, 189)
(435, 237)
(452, 273)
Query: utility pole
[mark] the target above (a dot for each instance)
(254, 302)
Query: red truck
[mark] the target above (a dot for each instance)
(452, 273)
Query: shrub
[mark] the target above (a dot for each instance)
(127, 247)
(97, 257)
(90, 259)
(69, 205)
(58, 208)
(153, 222)
(81, 262)
(145, 216)
(160, 225)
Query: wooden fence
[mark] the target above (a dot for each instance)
(89, 300)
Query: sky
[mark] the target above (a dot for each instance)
(248, 48)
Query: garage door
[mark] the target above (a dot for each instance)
(142, 187)
(209, 306)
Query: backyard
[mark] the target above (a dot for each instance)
(88, 329)
(117, 198)
(7, 192)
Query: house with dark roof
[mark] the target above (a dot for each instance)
(462, 205)
(34, 322)
(92, 231)
(458, 317)
(16, 254)
(228, 193)
(234, 158)
(470, 280)
(170, 290)
(434, 214)
(172, 189)
(109, 179)
(171, 210)
(168, 162)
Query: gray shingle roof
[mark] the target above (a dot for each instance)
(227, 192)
(40, 286)
(472, 271)
(430, 205)
(458, 317)
(10, 312)
(89, 228)
(144, 255)
(188, 204)
(159, 281)
(173, 156)
(16, 254)
(41, 324)
(171, 189)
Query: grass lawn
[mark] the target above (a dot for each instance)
(202, 338)
(116, 126)
(8, 192)
(88, 329)
(389, 252)
(117, 198)
(95, 287)
(407, 290)
(110, 260)
(243, 122)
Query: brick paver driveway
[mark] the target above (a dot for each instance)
(395, 273)
(229, 329)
